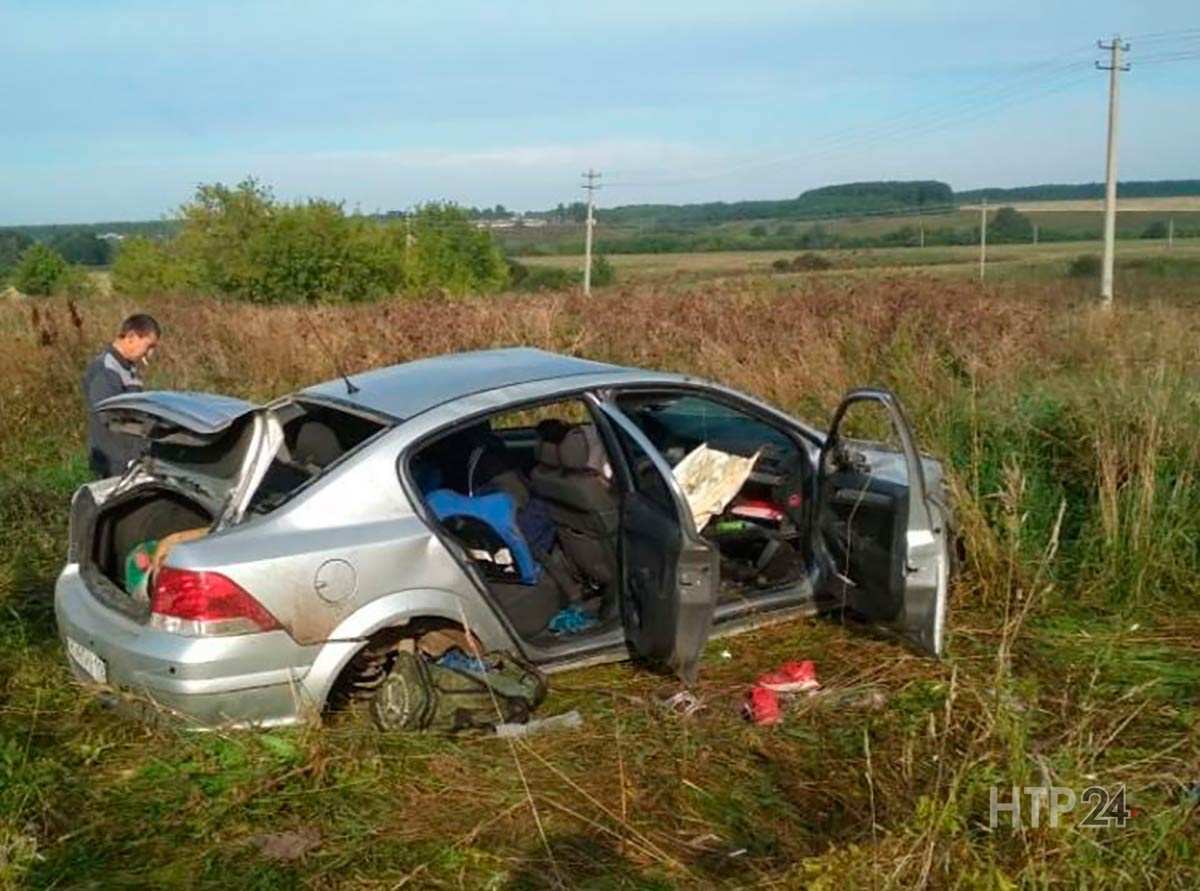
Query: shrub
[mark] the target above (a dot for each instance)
(1010, 225)
(81, 246)
(1157, 229)
(145, 266)
(242, 242)
(41, 270)
(12, 245)
(449, 254)
(1084, 266)
(782, 265)
(550, 278)
(811, 262)
(541, 278)
(603, 272)
(517, 272)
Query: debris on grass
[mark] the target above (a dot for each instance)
(571, 720)
(680, 704)
(292, 844)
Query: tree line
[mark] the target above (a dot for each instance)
(242, 242)
(1163, 188)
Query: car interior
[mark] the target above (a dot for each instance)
(533, 499)
(762, 533)
(314, 437)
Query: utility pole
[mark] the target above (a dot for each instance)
(1035, 225)
(1170, 232)
(922, 225)
(982, 238)
(591, 186)
(1114, 68)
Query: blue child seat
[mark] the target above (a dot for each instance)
(497, 511)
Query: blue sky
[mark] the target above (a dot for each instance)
(115, 110)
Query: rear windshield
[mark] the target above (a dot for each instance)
(314, 438)
(220, 459)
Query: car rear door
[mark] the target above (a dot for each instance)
(669, 574)
(887, 540)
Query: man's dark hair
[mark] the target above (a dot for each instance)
(141, 324)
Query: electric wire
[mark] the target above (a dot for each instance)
(963, 107)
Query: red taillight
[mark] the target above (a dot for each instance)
(205, 603)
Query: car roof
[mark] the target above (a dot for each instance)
(408, 389)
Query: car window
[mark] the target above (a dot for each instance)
(675, 423)
(646, 478)
(569, 411)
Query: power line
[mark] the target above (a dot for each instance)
(1159, 36)
(1181, 56)
(949, 120)
(946, 112)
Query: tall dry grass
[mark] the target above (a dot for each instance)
(1095, 409)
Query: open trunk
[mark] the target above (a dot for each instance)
(210, 462)
(150, 512)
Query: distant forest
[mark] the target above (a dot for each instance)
(1160, 188)
(841, 200)
(865, 199)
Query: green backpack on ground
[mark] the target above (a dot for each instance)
(422, 695)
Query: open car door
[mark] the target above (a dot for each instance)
(887, 539)
(669, 574)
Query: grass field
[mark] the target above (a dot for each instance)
(1058, 220)
(1007, 260)
(1184, 203)
(1073, 440)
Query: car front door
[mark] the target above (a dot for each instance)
(669, 574)
(887, 540)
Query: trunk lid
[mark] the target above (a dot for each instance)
(165, 416)
(218, 445)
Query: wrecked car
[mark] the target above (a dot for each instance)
(261, 564)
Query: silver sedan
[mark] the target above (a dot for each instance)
(257, 563)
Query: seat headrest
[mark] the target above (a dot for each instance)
(550, 434)
(316, 443)
(581, 449)
(552, 430)
(547, 454)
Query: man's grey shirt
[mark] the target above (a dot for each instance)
(109, 374)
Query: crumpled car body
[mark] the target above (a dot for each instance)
(311, 537)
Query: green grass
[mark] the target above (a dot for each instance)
(1043, 261)
(1071, 438)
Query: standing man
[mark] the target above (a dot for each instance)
(113, 372)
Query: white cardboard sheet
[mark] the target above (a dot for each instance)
(710, 479)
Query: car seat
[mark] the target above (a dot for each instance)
(537, 595)
(498, 512)
(316, 445)
(570, 476)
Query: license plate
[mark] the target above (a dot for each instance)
(88, 661)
